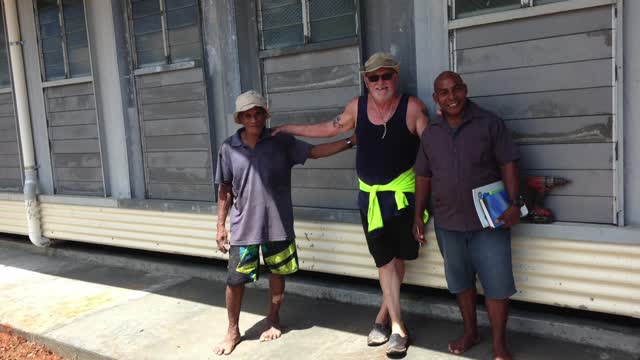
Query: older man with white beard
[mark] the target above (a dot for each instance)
(388, 126)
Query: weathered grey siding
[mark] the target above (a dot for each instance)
(73, 135)
(175, 135)
(551, 79)
(308, 88)
(631, 111)
(388, 26)
(10, 168)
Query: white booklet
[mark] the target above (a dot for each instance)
(491, 201)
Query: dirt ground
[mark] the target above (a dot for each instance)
(14, 347)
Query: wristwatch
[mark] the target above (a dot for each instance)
(349, 142)
(518, 201)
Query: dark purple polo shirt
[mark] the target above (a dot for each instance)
(261, 181)
(459, 160)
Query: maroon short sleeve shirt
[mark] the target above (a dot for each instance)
(461, 159)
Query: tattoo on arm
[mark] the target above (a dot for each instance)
(336, 122)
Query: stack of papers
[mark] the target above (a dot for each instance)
(490, 202)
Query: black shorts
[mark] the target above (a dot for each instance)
(394, 240)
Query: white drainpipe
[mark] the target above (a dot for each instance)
(24, 122)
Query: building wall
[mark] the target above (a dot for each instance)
(73, 135)
(631, 78)
(36, 96)
(428, 21)
(431, 43)
(162, 111)
(175, 135)
(124, 81)
(222, 65)
(305, 84)
(388, 26)
(10, 166)
(65, 122)
(590, 267)
(103, 31)
(551, 79)
(312, 87)
(583, 275)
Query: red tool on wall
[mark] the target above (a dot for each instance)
(535, 190)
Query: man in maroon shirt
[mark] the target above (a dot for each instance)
(465, 148)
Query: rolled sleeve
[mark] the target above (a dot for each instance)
(299, 151)
(422, 167)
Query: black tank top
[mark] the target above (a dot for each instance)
(378, 160)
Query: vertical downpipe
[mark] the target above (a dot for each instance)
(24, 123)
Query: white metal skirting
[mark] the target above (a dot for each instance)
(599, 277)
(13, 217)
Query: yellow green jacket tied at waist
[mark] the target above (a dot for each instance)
(404, 183)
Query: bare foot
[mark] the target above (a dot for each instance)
(463, 343)
(273, 331)
(226, 346)
(501, 354)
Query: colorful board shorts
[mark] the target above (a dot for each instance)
(280, 257)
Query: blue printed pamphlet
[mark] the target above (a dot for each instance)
(491, 201)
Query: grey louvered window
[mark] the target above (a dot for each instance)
(63, 40)
(286, 23)
(165, 31)
(5, 78)
(467, 8)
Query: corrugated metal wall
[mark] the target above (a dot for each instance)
(175, 125)
(73, 135)
(308, 88)
(10, 167)
(13, 217)
(585, 275)
(551, 78)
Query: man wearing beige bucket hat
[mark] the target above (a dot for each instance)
(254, 177)
(388, 126)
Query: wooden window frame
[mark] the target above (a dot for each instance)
(306, 26)
(165, 36)
(63, 34)
(523, 4)
(528, 8)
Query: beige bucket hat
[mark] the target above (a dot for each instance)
(380, 60)
(248, 101)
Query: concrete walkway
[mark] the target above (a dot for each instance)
(82, 308)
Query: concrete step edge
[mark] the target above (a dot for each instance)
(60, 348)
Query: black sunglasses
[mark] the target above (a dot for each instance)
(375, 78)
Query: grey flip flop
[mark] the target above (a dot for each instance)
(378, 335)
(397, 344)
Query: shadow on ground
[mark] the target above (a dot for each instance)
(324, 324)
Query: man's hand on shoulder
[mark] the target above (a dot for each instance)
(510, 217)
(278, 129)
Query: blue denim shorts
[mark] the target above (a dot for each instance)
(485, 253)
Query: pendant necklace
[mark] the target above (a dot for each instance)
(384, 118)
